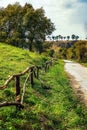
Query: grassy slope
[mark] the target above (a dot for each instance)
(49, 105)
(14, 60)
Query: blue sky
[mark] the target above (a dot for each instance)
(69, 16)
(82, 1)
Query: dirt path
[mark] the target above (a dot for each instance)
(78, 77)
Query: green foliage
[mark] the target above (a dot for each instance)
(63, 52)
(38, 27)
(51, 53)
(78, 51)
(3, 35)
(25, 26)
(70, 53)
(74, 37)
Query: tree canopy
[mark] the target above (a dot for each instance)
(24, 26)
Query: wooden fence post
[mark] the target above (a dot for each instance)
(45, 67)
(17, 88)
(31, 76)
(18, 99)
(37, 72)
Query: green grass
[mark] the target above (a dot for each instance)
(14, 60)
(84, 64)
(50, 105)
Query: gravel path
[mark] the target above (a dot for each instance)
(79, 72)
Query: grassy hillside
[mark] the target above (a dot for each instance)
(14, 60)
(50, 105)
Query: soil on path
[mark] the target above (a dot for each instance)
(78, 78)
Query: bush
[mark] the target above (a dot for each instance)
(51, 53)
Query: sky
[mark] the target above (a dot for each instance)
(68, 16)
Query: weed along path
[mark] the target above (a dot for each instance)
(78, 77)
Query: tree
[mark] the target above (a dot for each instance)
(11, 23)
(64, 37)
(53, 37)
(79, 51)
(73, 36)
(68, 37)
(77, 37)
(59, 36)
(24, 26)
(37, 25)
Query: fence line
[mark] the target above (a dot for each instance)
(33, 72)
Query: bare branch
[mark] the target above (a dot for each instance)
(24, 89)
(13, 76)
(4, 104)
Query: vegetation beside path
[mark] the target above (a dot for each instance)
(50, 105)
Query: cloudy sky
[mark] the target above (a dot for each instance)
(69, 16)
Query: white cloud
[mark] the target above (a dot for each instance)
(79, 15)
